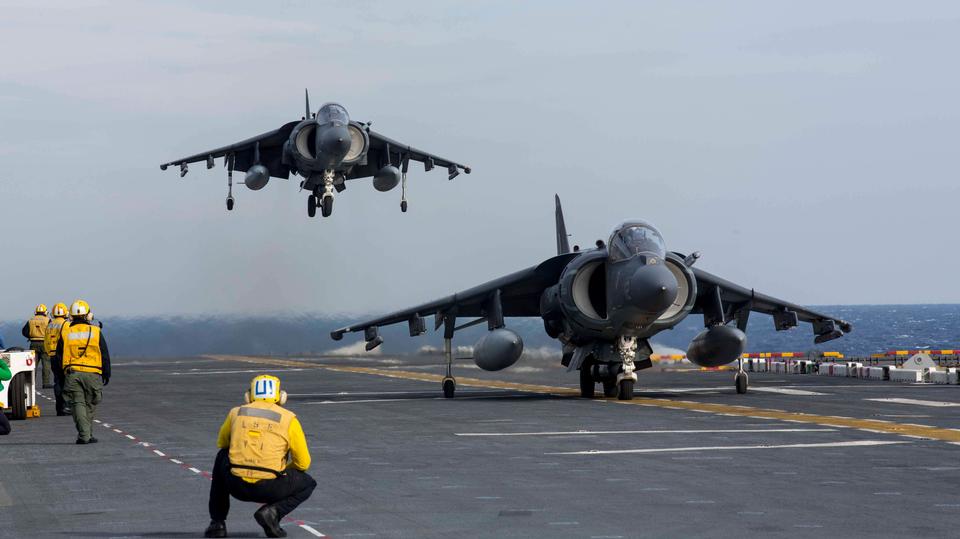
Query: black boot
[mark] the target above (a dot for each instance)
(268, 519)
(217, 528)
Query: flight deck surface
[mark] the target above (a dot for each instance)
(515, 454)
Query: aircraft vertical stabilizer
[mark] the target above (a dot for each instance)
(563, 245)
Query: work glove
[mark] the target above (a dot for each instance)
(106, 380)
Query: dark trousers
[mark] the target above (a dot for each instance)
(4, 425)
(58, 380)
(286, 492)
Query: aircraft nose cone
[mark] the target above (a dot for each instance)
(653, 288)
(333, 142)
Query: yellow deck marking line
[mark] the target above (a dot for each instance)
(870, 425)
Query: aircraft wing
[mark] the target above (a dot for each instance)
(384, 150)
(270, 148)
(519, 296)
(721, 301)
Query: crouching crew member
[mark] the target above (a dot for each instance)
(263, 456)
(83, 357)
(50, 342)
(35, 330)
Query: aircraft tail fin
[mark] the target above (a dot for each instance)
(306, 95)
(563, 245)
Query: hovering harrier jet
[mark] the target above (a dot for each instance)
(604, 305)
(326, 149)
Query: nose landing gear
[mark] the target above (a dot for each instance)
(627, 346)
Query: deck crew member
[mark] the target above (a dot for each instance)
(4, 376)
(50, 341)
(35, 330)
(83, 357)
(263, 458)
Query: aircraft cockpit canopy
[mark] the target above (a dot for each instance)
(636, 238)
(333, 113)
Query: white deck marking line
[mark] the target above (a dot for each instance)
(917, 402)
(131, 437)
(368, 400)
(246, 371)
(855, 443)
(175, 461)
(118, 431)
(787, 391)
(312, 530)
(159, 453)
(378, 393)
(194, 470)
(594, 432)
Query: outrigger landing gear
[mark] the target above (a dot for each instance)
(627, 346)
(449, 382)
(403, 193)
(230, 184)
(741, 380)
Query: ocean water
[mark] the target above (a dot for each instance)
(877, 328)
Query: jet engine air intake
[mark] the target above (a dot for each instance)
(497, 350)
(257, 177)
(590, 290)
(717, 346)
(304, 141)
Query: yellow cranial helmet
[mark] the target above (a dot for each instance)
(60, 310)
(266, 388)
(80, 310)
(41, 309)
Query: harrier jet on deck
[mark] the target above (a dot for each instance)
(326, 149)
(604, 304)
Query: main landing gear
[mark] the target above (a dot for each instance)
(741, 381)
(619, 386)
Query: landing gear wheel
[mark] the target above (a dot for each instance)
(449, 387)
(312, 206)
(18, 396)
(403, 206)
(327, 206)
(741, 382)
(626, 390)
(229, 203)
(609, 388)
(587, 385)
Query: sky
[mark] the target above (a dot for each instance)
(806, 149)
